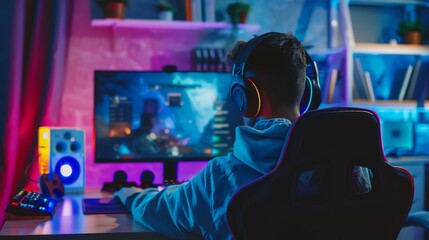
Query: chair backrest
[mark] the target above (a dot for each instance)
(332, 182)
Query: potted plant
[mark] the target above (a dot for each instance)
(238, 12)
(113, 8)
(165, 10)
(411, 31)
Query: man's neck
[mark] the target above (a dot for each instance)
(290, 113)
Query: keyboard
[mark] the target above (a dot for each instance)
(31, 205)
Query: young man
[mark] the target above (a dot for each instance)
(197, 209)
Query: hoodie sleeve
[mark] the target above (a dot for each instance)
(179, 211)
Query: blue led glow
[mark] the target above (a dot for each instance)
(311, 94)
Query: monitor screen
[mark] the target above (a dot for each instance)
(156, 116)
(398, 135)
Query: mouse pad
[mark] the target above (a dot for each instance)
(103, 206)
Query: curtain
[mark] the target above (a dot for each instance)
(38, 52)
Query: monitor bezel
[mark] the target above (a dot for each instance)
(167, 160)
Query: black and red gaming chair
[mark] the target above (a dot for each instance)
(332, 182)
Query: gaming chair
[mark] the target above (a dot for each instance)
(332, 181)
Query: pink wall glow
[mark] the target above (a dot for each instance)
(133, 47)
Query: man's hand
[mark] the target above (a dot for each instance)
(125, 192)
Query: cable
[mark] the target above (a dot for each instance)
(26, 171)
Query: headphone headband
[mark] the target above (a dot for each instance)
(245, 94)
(251, 45)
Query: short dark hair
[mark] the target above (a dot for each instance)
(278, 64)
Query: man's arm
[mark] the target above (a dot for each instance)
(179, 211)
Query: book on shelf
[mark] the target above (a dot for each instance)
(208, 9)
(220, 57)
(405, 82)
(200, 10)
(213, 60)
(413, 81)
(188, 10)
(205, 59)
(422, 89)
(401, 73)
(198, 60)
(196, 9)
(363, 90)
(368, 81)
(329, 85)
(416, 90)
(223, 65)
(355, 93)
(209, 60)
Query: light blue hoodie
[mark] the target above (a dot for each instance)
(197, 209)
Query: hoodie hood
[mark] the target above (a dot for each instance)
(260, 146)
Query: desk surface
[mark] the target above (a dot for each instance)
(69, 220)
(409, 160)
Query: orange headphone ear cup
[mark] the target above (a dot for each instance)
(245, 96)
(253, 98)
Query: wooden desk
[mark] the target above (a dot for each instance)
(69, 222)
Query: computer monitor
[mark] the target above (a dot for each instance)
(398, 137)
(144, 116)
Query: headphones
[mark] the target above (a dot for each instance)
(245, 94)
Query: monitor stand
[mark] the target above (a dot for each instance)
(170, 172)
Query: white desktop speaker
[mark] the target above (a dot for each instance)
(62, 151)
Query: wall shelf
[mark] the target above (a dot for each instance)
(169, 25)
(385, 103)
(404, 49)
(326, 51)
(374, 57)
(389, 2)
